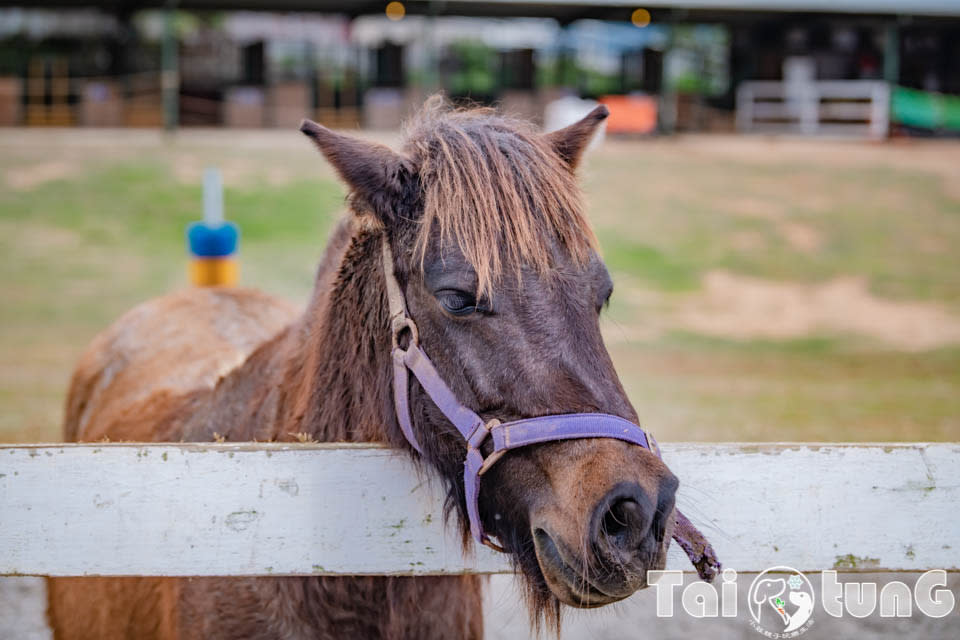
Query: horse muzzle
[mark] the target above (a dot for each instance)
(606, 557)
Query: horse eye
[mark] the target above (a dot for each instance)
(459, 303)
(605, 300)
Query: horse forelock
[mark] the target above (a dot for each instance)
(496, 189)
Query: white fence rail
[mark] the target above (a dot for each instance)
(859, 108)
(271, 509)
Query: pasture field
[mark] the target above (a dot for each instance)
(765, 289)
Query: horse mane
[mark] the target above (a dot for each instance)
(497, 188)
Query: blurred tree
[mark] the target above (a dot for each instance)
(469, 70)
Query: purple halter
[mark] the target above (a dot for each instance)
(510, 435)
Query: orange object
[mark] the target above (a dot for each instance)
(631, 114)
(212, 272)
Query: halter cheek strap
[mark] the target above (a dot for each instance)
(505, 436)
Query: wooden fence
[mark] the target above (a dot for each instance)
(273, 509)
(858, 108)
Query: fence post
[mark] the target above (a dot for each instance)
(744, 107)
(891, 53)
(667, 109)
(880, 111)
(170, 72)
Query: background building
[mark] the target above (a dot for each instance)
(246, 64)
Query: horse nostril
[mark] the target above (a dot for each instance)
(623, 518)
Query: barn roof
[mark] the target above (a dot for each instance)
(563, 10)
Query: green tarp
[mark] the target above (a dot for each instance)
(925, 110)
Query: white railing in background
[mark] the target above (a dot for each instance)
(277, 509)
(856, 108)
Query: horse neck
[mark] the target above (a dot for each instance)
(327, 376)
(336, 385)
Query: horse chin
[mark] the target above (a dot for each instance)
(573, 586)
(589, 598)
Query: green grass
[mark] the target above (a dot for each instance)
(653, 266)
(80, 249)
(693, 388)
(667, 217)
(79, 252)
(119, 233)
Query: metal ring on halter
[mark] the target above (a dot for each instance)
(490, 460)
(400, 324)
(493, 545)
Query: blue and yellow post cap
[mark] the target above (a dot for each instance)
(213, 242)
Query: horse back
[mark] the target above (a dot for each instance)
(138, 379)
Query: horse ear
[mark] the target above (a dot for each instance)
(570, 142)
(373, 172)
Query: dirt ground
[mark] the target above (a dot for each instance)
(735, 306)
(799, 276)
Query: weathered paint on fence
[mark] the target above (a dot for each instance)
(271, 509)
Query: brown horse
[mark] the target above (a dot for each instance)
(500, 271)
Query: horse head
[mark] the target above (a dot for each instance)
(501, 273)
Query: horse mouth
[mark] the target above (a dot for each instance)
(569, 583)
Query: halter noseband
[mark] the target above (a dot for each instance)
(510, 435)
